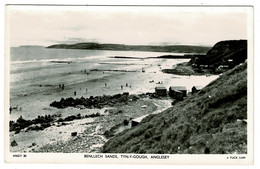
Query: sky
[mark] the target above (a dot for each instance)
(47, 25)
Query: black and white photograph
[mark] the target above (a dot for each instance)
(150, 84)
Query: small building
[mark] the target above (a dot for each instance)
(160, 91)
(136, 121)
(195, 89)
(178, 92)
(178, 95)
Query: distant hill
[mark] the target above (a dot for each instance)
(121, 47)
(31, 46)
(212, 121)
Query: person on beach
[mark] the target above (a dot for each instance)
(121, 87)
(105, 85)
(62, 87)
(126, 84)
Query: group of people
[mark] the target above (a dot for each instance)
(85, 71)
(62, 86)
(122, 87)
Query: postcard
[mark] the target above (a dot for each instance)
(129, 84)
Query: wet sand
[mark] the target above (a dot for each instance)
(33, 95)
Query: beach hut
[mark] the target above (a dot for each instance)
(178, 92)
(160, 91)
(195, 89)
(136, 121)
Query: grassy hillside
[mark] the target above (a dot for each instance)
(120, 47)
(209, 122)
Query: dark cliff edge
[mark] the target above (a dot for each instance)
(224, 56)
(212, 121)
(227, 53)
(121, 47)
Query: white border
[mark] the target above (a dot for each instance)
(194, 2)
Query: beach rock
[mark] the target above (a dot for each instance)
(98, 102)
(74, 134)
(45, 125)
(98, 106)
(123, 98)
(35, 127)
(134, 97)
(80, 107)
(14, 143)
(79, 116)
(70, 118)
(126, 122)
(17, 132)
(60, 120)
(117, 96)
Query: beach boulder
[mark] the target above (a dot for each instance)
(74, 134)
(126, 122)
(14, 143)
(70, 118)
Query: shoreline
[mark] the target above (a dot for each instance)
(185, 69)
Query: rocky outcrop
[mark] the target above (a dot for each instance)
(39, 123)
(226, 47)
(99, 101)
(14, 143)
(227, 53)
(224, 56)
(43, 122)
(91, 102)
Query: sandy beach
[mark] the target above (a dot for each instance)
(35, 85)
